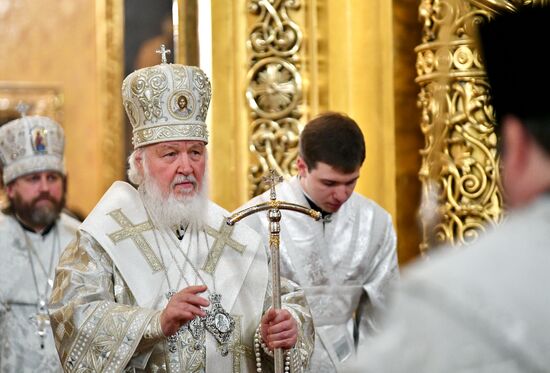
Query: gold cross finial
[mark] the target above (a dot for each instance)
(272, 180)
(163, 52)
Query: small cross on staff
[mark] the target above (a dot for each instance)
(272, 180)
(273, 208)
(163, 52)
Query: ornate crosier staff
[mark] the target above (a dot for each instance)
(274, 216)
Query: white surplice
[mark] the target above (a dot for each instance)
(20, 344)
(345, 264)
(112, 283)
(482, 309)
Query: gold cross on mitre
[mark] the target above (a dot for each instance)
(223, 238)
(273, 179)
(22, 107)
(163, 52)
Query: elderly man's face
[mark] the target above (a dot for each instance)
(37, 198)
(177, 166)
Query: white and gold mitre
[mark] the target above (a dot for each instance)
(31, 144)
(167, 102)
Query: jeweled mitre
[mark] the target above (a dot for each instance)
(31, 144)
(167, 102)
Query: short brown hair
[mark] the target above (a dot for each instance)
(334, 139)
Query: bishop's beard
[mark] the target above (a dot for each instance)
(174, 211)
(37, 216)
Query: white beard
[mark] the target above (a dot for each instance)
(170, 212)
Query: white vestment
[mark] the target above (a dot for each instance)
(484, 308)
(345, 266)
(20, 344)
(112, 283)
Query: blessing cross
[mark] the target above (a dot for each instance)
(134, 232)
(273, 208)
(41, 320)
(163, 52)
(223, 238)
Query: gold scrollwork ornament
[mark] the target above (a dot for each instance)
(274, 89)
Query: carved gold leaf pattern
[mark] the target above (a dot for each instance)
(276, 145)
(274, 89)
(460, 168)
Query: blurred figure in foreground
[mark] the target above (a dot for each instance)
(485, 308)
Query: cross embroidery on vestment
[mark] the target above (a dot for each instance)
(134, 232)
(222, 238)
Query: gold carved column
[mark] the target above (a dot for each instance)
(274, 89)
(109, 41)
(460, 172)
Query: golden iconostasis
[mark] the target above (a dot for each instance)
(351, 56)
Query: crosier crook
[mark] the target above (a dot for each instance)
(273, 208)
